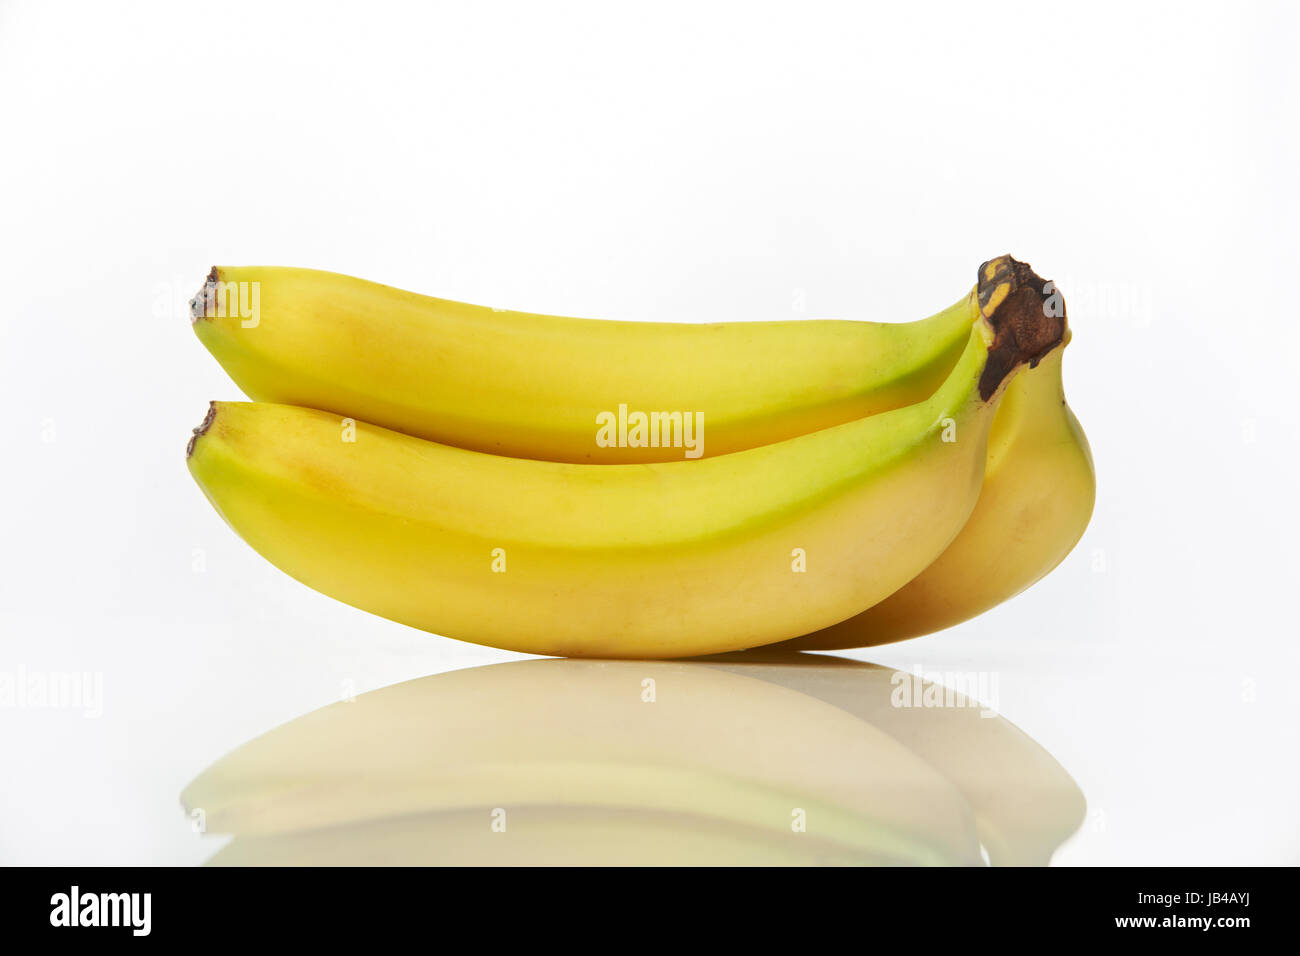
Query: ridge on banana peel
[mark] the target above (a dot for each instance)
(741, 759)
(1036, 501)
(534, 386)
(663, 560)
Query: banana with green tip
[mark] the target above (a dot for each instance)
(1036, 501)
(539, 386)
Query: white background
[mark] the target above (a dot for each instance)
(692, 162)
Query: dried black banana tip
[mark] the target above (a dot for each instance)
(208, 419)
(204, 302)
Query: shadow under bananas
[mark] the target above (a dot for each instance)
(759, 758)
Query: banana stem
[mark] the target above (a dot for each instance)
(1026, 315)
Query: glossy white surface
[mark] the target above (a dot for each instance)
(741, 162)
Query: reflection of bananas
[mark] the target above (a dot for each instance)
(1025, 804)
(564, 761)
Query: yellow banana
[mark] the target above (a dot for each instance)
(1036, 501)
(736, 760)
(662, 560)
(560, 389)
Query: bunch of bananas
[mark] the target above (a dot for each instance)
(588, 488)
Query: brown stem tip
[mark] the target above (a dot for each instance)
(208, 419)
(203, 304)
(1026, 313)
